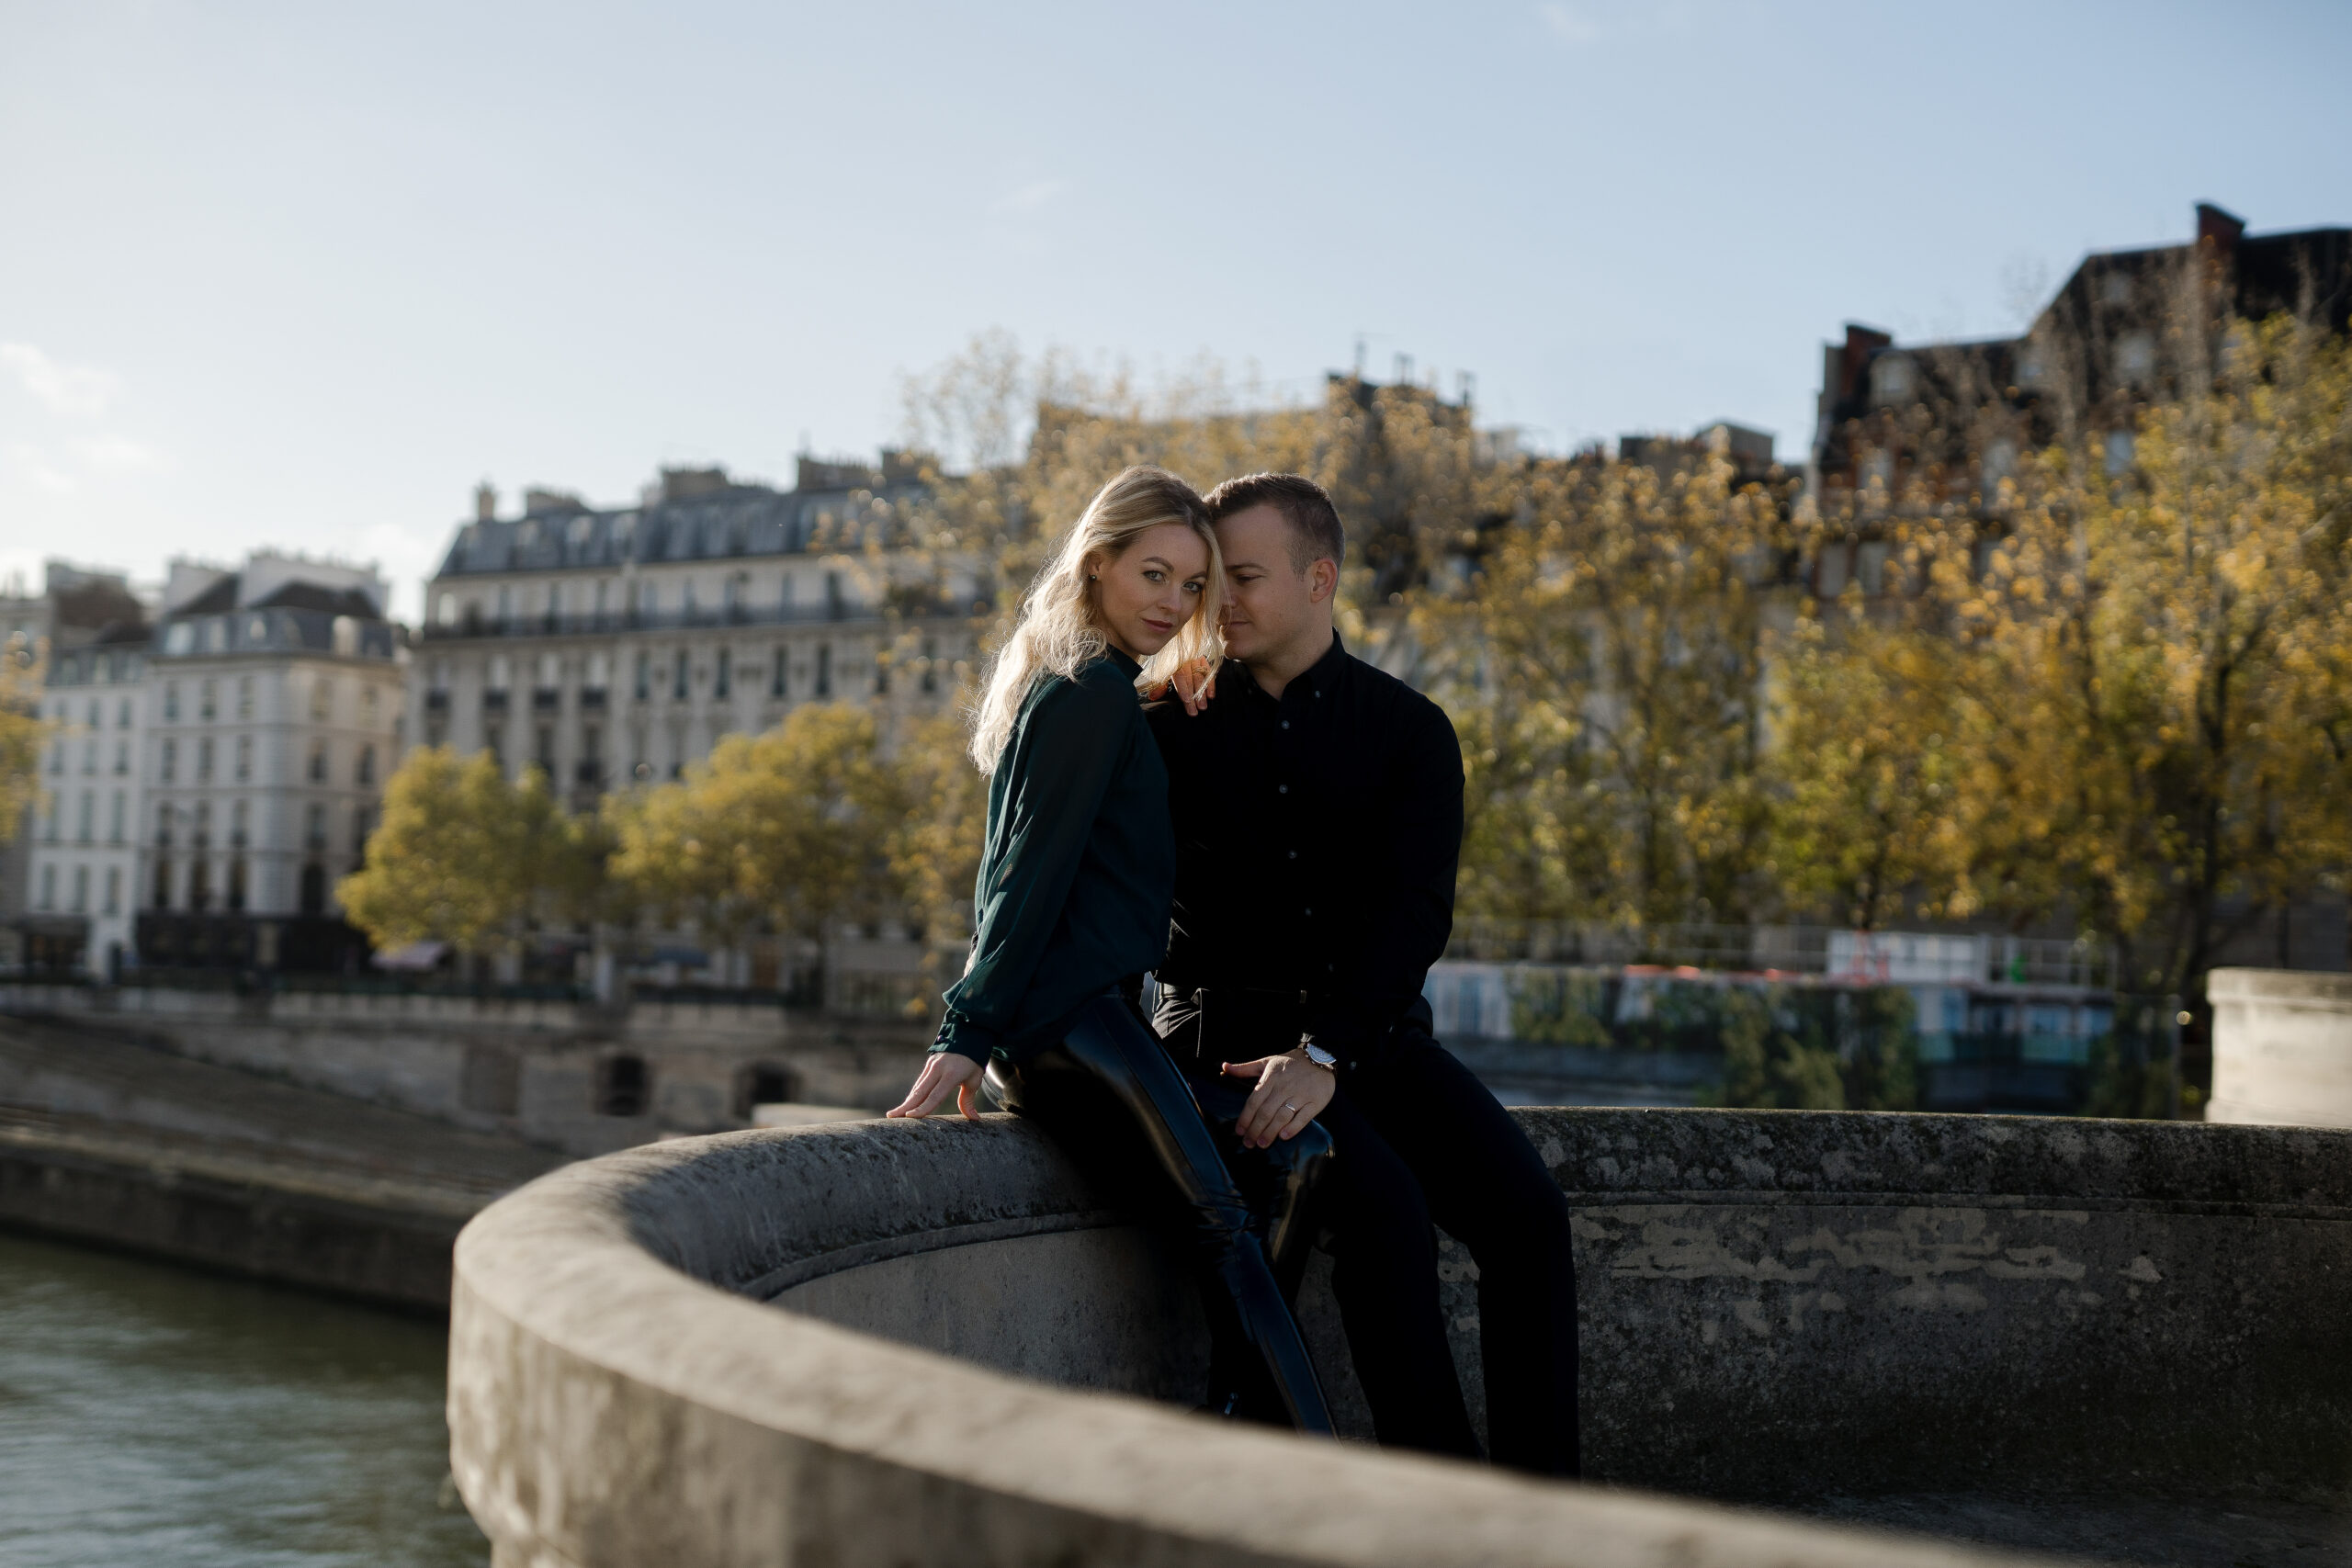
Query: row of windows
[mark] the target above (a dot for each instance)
(85, 818)
(57, 756)
(607, 596)
(678, 673)
(113, 667)
(197, 893)
(77, 894)
(1894, 378)
(318, 768)
(199, 820)
(93, 713)
(322, 695)
(72, 892)
(1875, 469)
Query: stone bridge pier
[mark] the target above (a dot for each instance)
(892, 1343)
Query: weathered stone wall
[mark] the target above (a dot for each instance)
(271, 1218)
(1775, 1304)
(2282, 1047)
(104, 1141)
(529, 1069)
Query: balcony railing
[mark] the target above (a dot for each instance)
(606, 621)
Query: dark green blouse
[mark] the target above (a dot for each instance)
(1078, 867)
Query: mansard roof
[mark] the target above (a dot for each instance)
(739, 520)
(307, 597)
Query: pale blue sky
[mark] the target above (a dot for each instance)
(301, 275)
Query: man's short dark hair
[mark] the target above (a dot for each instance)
(1315, 531)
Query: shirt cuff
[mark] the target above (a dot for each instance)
(965, 1038)
(1359, 1036)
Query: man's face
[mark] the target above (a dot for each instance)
(1269, 602)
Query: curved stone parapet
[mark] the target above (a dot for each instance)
(905, 1343)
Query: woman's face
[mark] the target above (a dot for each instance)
(1151, 588)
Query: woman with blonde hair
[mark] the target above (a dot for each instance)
(1070, 910)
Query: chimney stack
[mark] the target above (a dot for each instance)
(2222, 228)
(485, 503)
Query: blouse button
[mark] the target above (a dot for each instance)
(1282, 789)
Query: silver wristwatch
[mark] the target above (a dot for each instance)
(1319, 1056)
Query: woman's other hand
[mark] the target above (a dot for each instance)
(946, 1073)
(1291, 1092)
(1193, 684)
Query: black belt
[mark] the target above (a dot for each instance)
(1263, 1005)
(1265, 996)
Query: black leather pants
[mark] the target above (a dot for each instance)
(1110, 1094)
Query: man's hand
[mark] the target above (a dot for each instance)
(1291, 1092)
(946, 1073)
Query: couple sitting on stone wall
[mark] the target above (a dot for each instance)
(1280, 853)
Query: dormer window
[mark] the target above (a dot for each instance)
(1893, 379)
(2115, 288)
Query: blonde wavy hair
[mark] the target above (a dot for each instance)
(1060, 631)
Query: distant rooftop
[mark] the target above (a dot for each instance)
(689, 514)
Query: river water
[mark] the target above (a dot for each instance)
(149, 1414)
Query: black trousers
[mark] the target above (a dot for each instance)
(1111, 1095)
(1418, 1142)
(1420, 1139)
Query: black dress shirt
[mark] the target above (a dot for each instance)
(1075, 876)
(1317, 838)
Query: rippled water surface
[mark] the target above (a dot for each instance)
(152, 1415)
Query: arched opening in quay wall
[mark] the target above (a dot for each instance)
(1776, 1306)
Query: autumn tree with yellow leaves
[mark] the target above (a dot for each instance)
(789, 831)
(1603, 653)
(2122, 698)
(22, 733)
(466, 856)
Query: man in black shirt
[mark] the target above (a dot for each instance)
(1318, 805)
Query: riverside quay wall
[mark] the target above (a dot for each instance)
(107, 1140)
(934, 1343)
(583, 1078)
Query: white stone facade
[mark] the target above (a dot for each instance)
(85, 848)
(615, 646)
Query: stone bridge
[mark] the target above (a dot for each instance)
(892, 1343)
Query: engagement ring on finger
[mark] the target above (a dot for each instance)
(1288, 1106)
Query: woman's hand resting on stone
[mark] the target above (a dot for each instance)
(1291, 1092)
(946, 1073)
